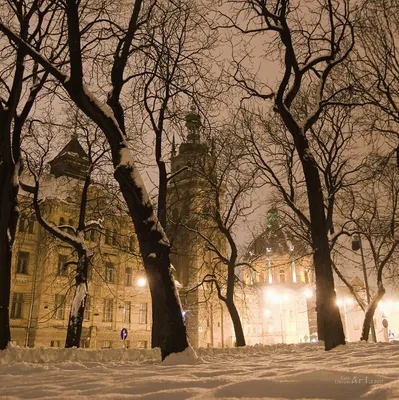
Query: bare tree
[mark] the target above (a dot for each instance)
(374, 68)
(21, 80)
(219, 204)
(371, 212)
(71, 235)
(173, 70)
(125, 39)
(311, 41)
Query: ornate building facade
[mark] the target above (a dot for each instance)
(43, 269)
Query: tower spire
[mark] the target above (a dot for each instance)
(193, 124)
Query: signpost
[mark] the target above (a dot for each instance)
(124, 336)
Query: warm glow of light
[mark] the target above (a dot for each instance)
(272, 295)
(267, 313)
(308, 293)
(141, 282)
(349, 301)
(340, 303)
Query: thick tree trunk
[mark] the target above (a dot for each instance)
(235, 318)
(5, 283)
(171, 334)
(76, 314)
(369, 315)
(8, 222)
(329, 323)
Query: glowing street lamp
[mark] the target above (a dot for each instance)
(308, 293)
(141, 282)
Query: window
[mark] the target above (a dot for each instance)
(23, 262)
(142, 344)
(55, 343)
(88, 309)
(108, 310)
(17, 305)
(131, 243)
(59, 306)
(92, 235)
(293, 266)
(128, 276)
(143, 313)
(282, 275)
(114, 239)
(108, 238)
(110, 272)
(269, 270)
(25, 224)
(107, 344)
(62, 269)
(127, 312)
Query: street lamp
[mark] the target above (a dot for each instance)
(141, 282)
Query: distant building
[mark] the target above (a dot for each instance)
(275, 298)
(282, 277)
(42, 280)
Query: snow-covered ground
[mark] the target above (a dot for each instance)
(355, 371)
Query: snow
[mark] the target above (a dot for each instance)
(80, 294)
(305, 371)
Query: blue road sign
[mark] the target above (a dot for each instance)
(123, 333)
(391, 336)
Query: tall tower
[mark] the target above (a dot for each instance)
(188, 200)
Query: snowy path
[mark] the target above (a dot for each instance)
(356, 371)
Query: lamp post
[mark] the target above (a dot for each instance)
(357, 245)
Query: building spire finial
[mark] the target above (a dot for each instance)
(193, 124)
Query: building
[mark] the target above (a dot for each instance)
(43, 273)
(274, 299)
(189, 202)
(282, 277)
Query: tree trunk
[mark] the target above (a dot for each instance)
(235, 318)
(5, 286)
(8, 222)
(368, 317)
(76, 314)
(171, 332)
(329, 323)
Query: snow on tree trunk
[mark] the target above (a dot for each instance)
(155, 249)
(369, 315)
(76, 314)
